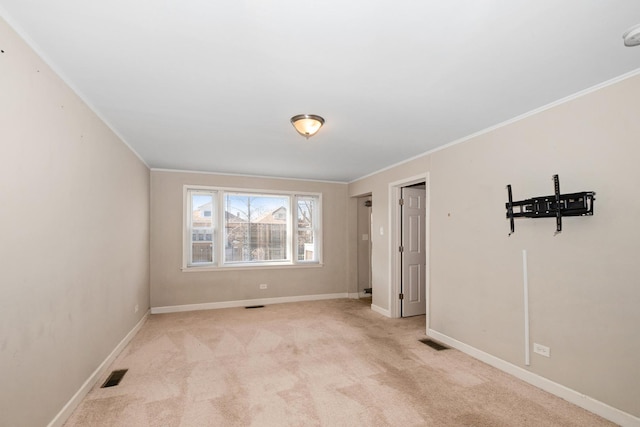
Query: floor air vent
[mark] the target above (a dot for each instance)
(434, 345)
(255, 306)
(115, 378)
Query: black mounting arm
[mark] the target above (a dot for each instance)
(557, 205)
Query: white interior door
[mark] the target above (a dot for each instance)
(413, 254)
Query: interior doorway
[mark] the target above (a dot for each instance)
(413, 250)
(364, 246)
(398, 290)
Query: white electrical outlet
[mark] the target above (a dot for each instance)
(263, 286)
(135, 309)
(542, 350)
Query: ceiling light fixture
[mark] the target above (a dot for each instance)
(632, 36)
(307, 124)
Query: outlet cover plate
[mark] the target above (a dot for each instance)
(542, 350)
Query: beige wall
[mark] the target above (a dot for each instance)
(74, 230)
(584, 286)
(170, 286)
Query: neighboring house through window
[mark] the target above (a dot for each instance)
(226, 228)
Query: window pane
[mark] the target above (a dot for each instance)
(307, 225)
(255, 227)
(201, 227)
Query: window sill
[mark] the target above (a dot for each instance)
(249, 267)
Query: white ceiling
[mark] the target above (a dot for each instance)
(211, 85)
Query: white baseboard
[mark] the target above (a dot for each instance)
(360, 295)
(244, 303)
(73, 403)
(590, 404)
(380, 310)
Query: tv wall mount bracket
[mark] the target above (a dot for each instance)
(554, 206)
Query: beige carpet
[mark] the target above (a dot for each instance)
(321, 363)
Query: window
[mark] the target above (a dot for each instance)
(255, 227)
(200, 226)
(229, 228)
(307, 228)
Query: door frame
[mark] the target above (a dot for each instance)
(360, 294)
(395, 240)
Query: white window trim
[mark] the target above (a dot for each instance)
(218, 238)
